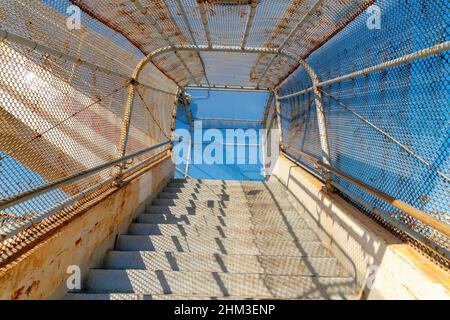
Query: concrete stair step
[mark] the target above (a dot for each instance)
(202, 196)
(228, 220)
(202, 219)
(236, 190)
(206, 203)
(273, 265)
(268, 216)
(135, 296)
(154, 209)
(276, 189)
(203, 186)
(206, 245)
(267, 232)
(227, 202)
(228, 183)
(207, 182)
(217, 284)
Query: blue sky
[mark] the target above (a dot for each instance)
(226, 105)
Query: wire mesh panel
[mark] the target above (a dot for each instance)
(150, 25)
(59, 117)
(389, 129)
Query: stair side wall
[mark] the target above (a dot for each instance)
(385, 268)
(41, 273)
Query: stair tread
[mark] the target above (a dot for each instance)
(218, 245)
(245, 241)
(263, 264)
(220, 220)
(137, 296)
(241, 232)
(217, 284)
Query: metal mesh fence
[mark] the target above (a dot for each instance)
(389, 129)
(59, 117)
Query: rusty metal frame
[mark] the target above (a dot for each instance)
(174, 115)
(377, 213)
(155, 24)
(249, 25)
(257, 50)
(225, 87)
(180, 7)
(204, 17)
(289, 37)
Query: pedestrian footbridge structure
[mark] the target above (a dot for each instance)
(101, 193)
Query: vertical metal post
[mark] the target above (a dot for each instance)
(122, 147)
(188, 158)
(323, 131)
(204, 17)
(279, 118)
(174, 116)
(249, 25)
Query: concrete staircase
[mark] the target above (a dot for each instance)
(219, 239)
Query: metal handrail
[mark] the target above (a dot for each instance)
(16, 199)
(433, 50)
(397, 203)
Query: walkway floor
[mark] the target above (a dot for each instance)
(219, 239)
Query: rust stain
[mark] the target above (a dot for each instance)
(33, 286)
(17, 294)
(427, 267)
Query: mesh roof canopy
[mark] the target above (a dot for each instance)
(296, 26)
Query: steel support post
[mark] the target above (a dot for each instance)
(279, 118)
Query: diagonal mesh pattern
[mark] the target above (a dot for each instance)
(390, 128)
(224, 23)
(59, 118)
(64, 96)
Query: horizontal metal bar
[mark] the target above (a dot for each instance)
(399, 204)
(225, 87)
(227, 120)
(16, 199)
(13, 229)
(227, 144)
(227, 49)
(394, 222)
(434, 50)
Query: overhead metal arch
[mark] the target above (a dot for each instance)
(256, 50)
